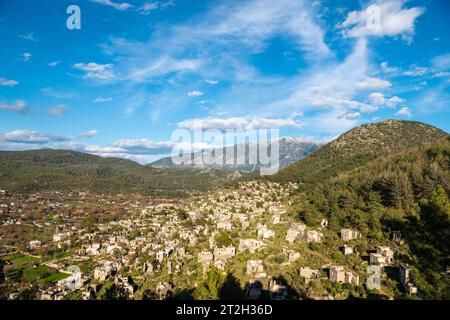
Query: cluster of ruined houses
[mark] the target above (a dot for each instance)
(167, 243)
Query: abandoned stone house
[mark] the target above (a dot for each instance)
(308, 274)
(314, 236)
(60, 236)
(406, 279)
(292, 255)
(72, 282)
(194, 215)
(148, 268)
(295, 232)
(220, 264)
(349, 234)
(103, 272)
(384, 256)
(276, 218)
(34, 244)
(251, 245)
(205, 258)
(255, 268)
(224, 253)
(224, 225)
(347, 250)
(342, 274)
(264, 232)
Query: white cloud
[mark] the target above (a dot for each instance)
(56, 94)
(54, 63)
(102, 100)
(151, 6)
(405, 111)
(441, 74)
(416, 71)
(333, 122)
(372, 84)
(144, 146)
(213, 82)
(30, 137)
(394, 102)
(29, 36)
(352, 116)
(237, 123)
(386, 68)
(382, 18)
(379, 99)
(116, 5)
(246, 26)
(58, 111)
(96, 71)
(441, 62)
(264, 123)
(26, 56)
(343, 103)
(148, 7)
(19, 106)
(194, 93)
(8, 83)
(213, 123)
(88, 134)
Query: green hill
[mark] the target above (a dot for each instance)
(63, 170)
(380, 178)
(357, 147)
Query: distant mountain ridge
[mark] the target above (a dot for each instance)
(65, 170)
(290, 150)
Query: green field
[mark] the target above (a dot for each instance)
(29, 269)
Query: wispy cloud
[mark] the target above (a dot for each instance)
(372, 84)
(416, 71)
(58, 111)
(237, 123)
(22, 139)
(441, 62)
(8, 83)
(87, 134)
(405, 111)
(57, 94)
(95, 70)
(19, 106)
(54, 63)
(148, 7)
(116, 5)
(194, 93)
(213, 82)
(102, 100)
(26, 56)
(29, 36)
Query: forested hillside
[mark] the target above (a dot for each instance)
(62, 170)
(407, 191)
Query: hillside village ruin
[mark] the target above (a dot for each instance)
(168, 245)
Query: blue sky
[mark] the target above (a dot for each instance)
(138, 70)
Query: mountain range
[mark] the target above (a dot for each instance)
(290, 150)
(63, 170)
